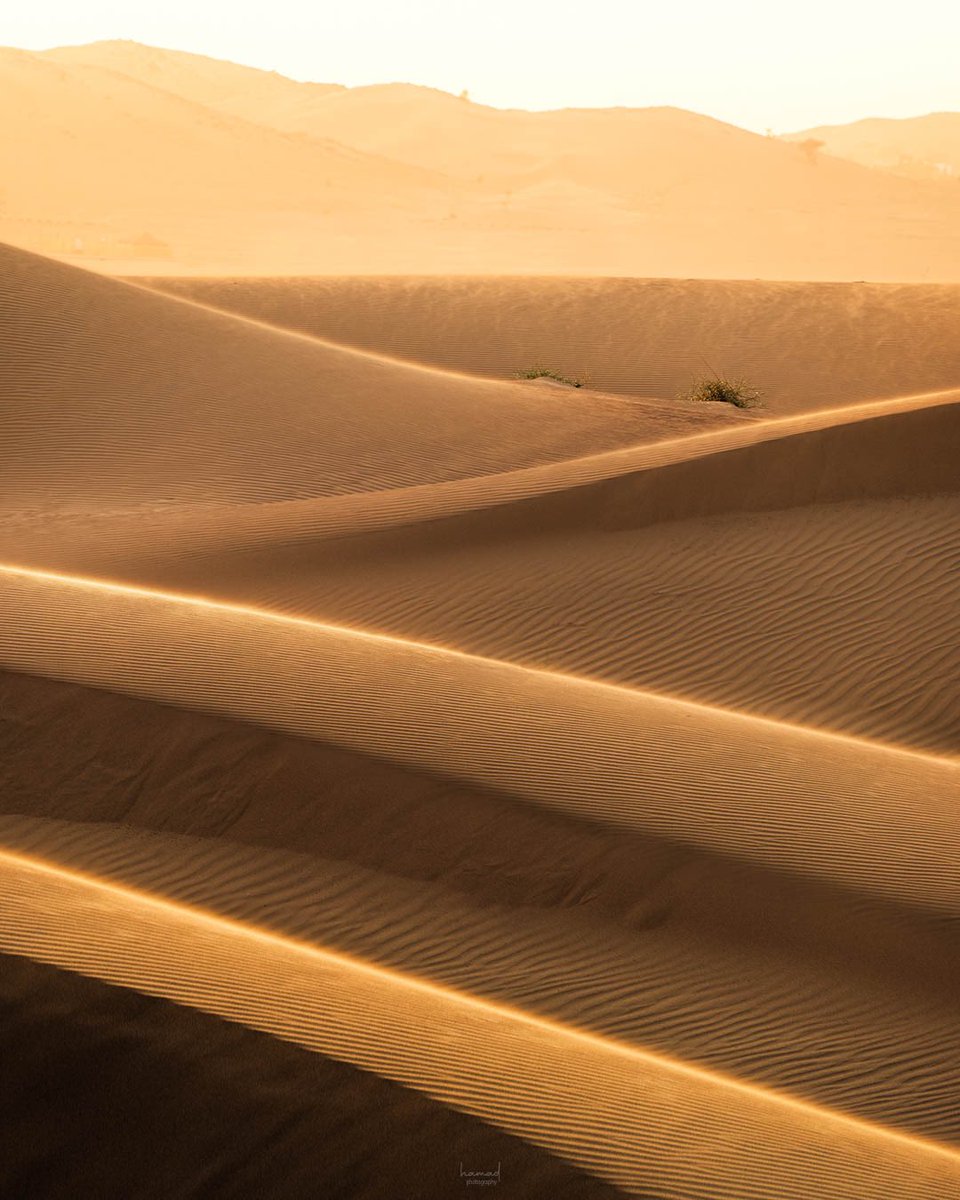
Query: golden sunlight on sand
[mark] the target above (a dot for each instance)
(441, 744)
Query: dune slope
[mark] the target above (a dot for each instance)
(114, 394)
(609, 1107)
(689, 567)
(584, 764)
(807, 346)
(76, 1053)
(699, 955)
(236, 170)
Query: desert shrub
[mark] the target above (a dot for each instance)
(720, 390)
(810, 147)
(539, 372)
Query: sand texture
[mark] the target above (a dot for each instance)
(409, 769)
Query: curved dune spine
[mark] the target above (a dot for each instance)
(872, 818)
(638, 1119)
(595, 325)
(778, 1019)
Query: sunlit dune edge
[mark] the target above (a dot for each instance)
(583, 758)
(786, 983)
(216, 1085)
(234, 526)
(627, 1115)
(386, 640)
(877, 819)
(805, 345)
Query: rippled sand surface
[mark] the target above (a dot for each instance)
(409, 770)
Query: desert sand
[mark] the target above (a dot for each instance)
(214, 1084)
(926, 147)
(410, 769)
(132, 157)
(633, 337)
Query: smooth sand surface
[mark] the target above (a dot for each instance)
(216, 409)
(583, 761)
(117, 153)
(804, 345)
(926, 147)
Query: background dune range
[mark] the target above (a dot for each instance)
(122, 155)
(579, 764)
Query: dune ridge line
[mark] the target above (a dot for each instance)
(147, 942)
(371, 635)
(876, 819)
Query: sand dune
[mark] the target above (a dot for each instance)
(869, 587)
(843, 519)
(582, 761)
(925, 147)
(645, 337)
(235, 170)
(845, 536)
(241, 91)
(440, 132)
(668, 147)
(609, 1107)
(213, 1085)
(255, 415)
(93, 159)
(621, 756)
(780, 992)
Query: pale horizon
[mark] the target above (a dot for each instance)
(736, 66)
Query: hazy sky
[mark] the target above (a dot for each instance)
(758, 63)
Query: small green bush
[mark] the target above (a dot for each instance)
(538, 372)
(720, 390)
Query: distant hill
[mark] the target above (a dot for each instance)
(242, 91)
(914, 147)
(232, 169)
(97, 158)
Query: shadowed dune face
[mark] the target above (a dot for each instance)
(585, 763)
(77, 1052)
(493, 895)
(532, 1074)
(626, 757)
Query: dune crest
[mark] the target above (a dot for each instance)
(124, 155)
(624, 1104)
(568, 772)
